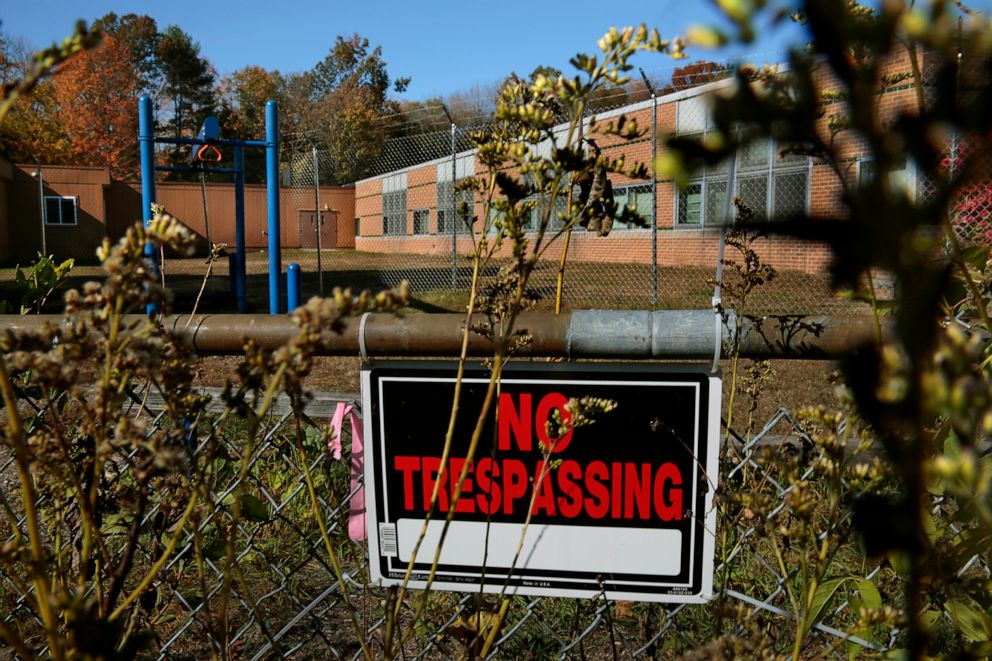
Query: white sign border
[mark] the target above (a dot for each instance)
(532, 587)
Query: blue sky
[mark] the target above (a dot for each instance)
(444, 45)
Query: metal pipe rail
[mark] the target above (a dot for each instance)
(660, 334)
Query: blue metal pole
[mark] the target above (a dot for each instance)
(240, 275)
(272, 185)
(292, 287)
(146, 145)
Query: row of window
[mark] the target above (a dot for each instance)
(770, 183)
(637, 197)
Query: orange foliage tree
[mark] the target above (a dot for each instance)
(97, 93)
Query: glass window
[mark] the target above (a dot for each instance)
(60, 210)
(445, 190)
(716, 198)
(755, 154)
(691, 205)
(422, 221)
(790, 194)
(394, 212)
(636, 198)
(753, 192)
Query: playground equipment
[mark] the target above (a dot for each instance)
(206, 148)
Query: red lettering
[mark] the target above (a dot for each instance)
(570, 503)
(431, 481)
(637, 491)
(408, 466)
(509, 419)
(514, 483)
(667, 492)
(485, 471)
(464, 504)
(599, 501)
(553, 400)
(616, 490)
(544, 499)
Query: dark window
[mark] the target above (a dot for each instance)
(422, 221)
(394, 212)
(637, 199)
(60, 210)
(445, 213)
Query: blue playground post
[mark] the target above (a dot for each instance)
(146, 144)
(292, 287)
(240, 274)
(210, 137)
(272, 186)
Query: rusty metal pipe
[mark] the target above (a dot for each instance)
(673, 334)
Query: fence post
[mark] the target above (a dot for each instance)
(41, 203)
(453, 213)
(240, 274)
(272, 180)
(318, 219)
(654, 190)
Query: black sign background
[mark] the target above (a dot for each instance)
(652, 423)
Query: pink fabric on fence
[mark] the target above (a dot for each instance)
(356, 513)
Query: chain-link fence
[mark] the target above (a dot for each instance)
(286, 602)
(402, 221)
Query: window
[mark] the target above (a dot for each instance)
(772, 185)
(60, 210)
(358, 226)
(422, 221)
(445, 214)
(636, 198)
(902, 176)
(394, 212)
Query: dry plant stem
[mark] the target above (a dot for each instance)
(15, 641)
(16, 436)
(560, 278)
(202, 580)
(874, 307)
(203, 286)
(153, 571)
(225, 589)
(393, 614)
(958, 262)
(445, 454)
(456, 492)
(253, 606)
(124, 567)
(328, 546)
(520, 547)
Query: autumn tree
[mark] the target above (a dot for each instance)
(97, 93)
(340, 105)
(32, 127)
(242, 96)
(694, 74)
(140, 35)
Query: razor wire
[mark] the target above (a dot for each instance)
(289, 605)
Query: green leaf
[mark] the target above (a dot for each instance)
(869, 594)
(254, 509)
(824, 593)
(973, 625)
(214, 550)
(901, 561)
(928, 619)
